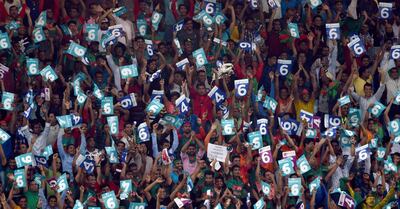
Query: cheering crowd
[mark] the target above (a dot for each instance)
(207, 104)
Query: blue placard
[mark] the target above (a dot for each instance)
(331, 121)
(128, 102)
(217, 95)
(143, 132)
(284, 67)
(241, 87)
(395, 52)
(333, 31)
(183, 104)
(385, 10)
(356, 46)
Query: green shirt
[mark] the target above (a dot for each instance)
(32, 198)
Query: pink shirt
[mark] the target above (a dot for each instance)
(190, 166)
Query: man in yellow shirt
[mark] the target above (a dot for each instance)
(306, 100)
(363, 78)
(366, 72)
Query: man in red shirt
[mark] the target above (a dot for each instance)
(201, 102)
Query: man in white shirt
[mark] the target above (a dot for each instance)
(128, 28)
(369, 98)
(392, 81)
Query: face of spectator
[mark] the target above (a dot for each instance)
(71, 149)
(91, 181)
(187, 128)
(33, 186)
(338, 6)
(182, 10)
(99, 78)
(394, 74)
(52, 201)
(283, 92)
(250, 25)
(37, 128)
(276, 26)
(13, 11)
(202, 76)
(58, 163)
(162, 193)
(201, 90)
(23, 202)
(236, 172)
(188, 27)
(208, 179)
(178, 165)
(73, 13)
(368, 91)
(93, 9)
(365, 61)
(219, 183)
(191, 150)
(178, 78)
(306, 97)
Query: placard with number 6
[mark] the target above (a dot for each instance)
(262, 125)
(377, 109)
(265, 155)
(303, 164)
(7, 100)
(107, 106)
(112, 121)
(255, 140)
(362, 152)
(356, 46)
(284, 67)
(200, 56)
(333, 31)
(385, 10)
(294, 30)
(4, 41)
(20, 179)
(110, 200)
(294, 185)
(143, 132)
(92, 31)
(395, 52)
(24, 160)
(38, 35)
(241, 87)
(48, 74)
(270, 103)
(128, 71)
(32, 64)
(141, 25)
(4, 136)
(286, 166)
(227, 127)
(62, 183)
